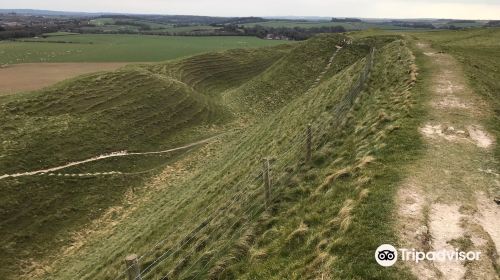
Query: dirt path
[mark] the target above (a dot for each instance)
(446, 201)
(49, 171)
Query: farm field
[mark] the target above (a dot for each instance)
(118, 48)
(109, 24)
(34, 76)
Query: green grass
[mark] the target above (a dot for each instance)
(102, 21)
(60, 33)
(119, 48)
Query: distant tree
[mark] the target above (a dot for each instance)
(230, 28)
(296, 33)
(346, 20)
(461, 21)
(493, 23)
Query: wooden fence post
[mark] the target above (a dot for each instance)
(133, 269)
(267, 180)
(309, 143)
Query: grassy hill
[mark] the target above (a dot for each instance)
(134, 109)
(203, 213)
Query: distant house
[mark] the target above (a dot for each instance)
(12, 24)
(276, 37)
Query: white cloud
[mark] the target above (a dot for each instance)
(484, 9)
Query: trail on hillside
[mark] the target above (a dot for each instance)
(446, 201)
(101, 157)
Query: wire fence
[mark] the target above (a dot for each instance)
(248, 199)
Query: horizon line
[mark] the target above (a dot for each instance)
(200, 15)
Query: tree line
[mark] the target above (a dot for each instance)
(291, 33)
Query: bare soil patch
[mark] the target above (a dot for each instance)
(445, 226)
(451, 102)
(480, 137)
(488, 216)
(35, 76)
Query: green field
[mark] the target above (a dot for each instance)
(109, 24)
(119, 48)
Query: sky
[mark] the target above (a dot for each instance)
(457, 9)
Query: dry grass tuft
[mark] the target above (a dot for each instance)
(319, 268)
(383, 117)
(364, 162)
(341, 174)
(413, 73)
(322, 245)
(298, 234)
(343, 219)
(242, 246)
(202, 242)
(256, 255)
(179, 266)
(363, 180)
(363, 194)
(392, 127)
(218, 269)
(379, 136)
(345, 223)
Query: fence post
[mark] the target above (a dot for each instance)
(309, 143)
(267, 180)
(133, 269)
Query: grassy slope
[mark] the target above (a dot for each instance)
(479, 52)
(132, 108)
(293, 75)
(334, 213)
(214, 73)
(322, 220)
(119, 48)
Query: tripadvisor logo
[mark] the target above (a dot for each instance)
(386, 255)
